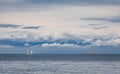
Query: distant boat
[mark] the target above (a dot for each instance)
(29, 52)
(92, 53)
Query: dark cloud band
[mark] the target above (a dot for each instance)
(32, 27)
(115, 19)
(9, 26)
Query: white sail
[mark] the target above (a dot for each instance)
(29, 52)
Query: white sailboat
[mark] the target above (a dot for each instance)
(29, 52)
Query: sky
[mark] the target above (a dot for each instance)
(60, 26)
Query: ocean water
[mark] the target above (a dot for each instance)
(60, 64)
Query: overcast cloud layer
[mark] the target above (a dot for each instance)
(59, 23)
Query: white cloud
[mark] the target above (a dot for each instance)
(111, 42)
(58, 45)
(6, 46)
(26, 45)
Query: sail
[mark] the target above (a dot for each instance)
(29, 52)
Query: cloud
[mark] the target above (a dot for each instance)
(9, 26)
(115, 19)
(46, 2)
(85, 2)
(10, 1)
(6, 46)
(32, 27)
(26, 45)
(114, 42)
(58, 45)
(16, 43)
(27, 5)
(95, 26)
(67, 41)
(61, 27)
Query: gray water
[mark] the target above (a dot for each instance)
(59, 64)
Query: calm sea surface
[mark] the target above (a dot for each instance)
(60, 64)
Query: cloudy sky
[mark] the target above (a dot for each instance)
(60, 26)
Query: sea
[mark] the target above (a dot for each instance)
(60, 64)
